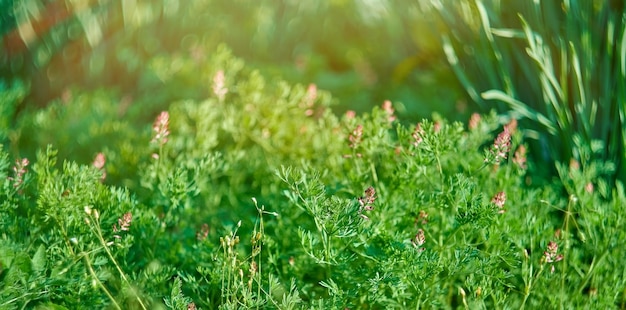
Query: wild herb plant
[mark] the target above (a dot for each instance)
(560, 65)
(257, 196)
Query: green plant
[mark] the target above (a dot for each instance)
(257, 196)
(560, 65)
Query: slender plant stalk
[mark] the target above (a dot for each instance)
(104, 244)
(100, 284)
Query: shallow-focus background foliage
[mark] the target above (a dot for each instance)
(363, 52)
(559, 66)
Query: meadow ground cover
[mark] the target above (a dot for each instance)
(170, 174)
(258, 196)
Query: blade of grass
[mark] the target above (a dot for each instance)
(521, 108)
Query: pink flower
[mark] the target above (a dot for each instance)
(437, 126)
(397, 150)
(499, 200)
(219, 85)
(370, 195)
(420, 238)
(355, 136)
(519, 158)
(99, 162)
(474, 121)
(388, 108)
(511, 126)
(422, 218)
(311, 94)
(350, 114)
(203, 233)
(551, 255)
(19, 170)
(501, 146)
(124, 223)
(161, 128)
(366, 203)
(418, 134)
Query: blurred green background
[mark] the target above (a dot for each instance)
(558, 67)
(363, 52)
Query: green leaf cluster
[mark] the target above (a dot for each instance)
(259, 196)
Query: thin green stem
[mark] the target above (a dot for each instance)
(479, 169)
(224, 266)
(260, 244)
(95, 277)
(98, 231)
(439, 168)
(374, 173)
(10, 301)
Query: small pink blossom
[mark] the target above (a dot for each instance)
(589, 188)
(422, 218)
(370, 195)
(356, 136)
(388, 108)
(420, 238)
(161, 128)
(203, 233)
(551, 254)
(437, 127)
(501, 146)
(99, 162)
(397, 150)
(350, 114)
(366, 203)
(19, 170)
(368, 200)
(219, 85)
(474, 121)
(311, 94)
(124, 223)
(503, 143)
(511, 126)
(357, 155)
(519, 158)
(499, 200)
(418, 134)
